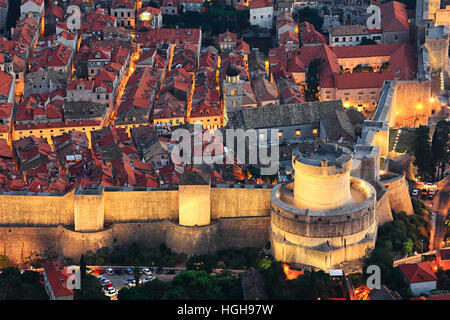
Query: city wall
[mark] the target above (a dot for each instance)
(398, 194)
(40, 226)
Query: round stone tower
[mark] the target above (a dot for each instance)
(325, 217)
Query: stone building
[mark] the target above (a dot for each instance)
(232, 87)
(325, 217)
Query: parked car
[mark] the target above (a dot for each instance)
(109, 285)
(118, 271)
(129, 271)
(424, 193)
(172, 271)
(101, 278)
(431, 194)
(101, 271)
(415, 192)
(430, 185)
(89, 270)
(159, 270)
(106, 283)
(110, 291)
(126, 282)
(110, 271)
(133, 283)
(147, 279)
(146, 271)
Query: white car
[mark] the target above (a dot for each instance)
(430, 185)
(146, 271)
(147, 279)
(110, 271)
(110, 291)
(415, 192)
(133, 283)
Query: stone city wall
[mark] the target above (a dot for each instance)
(398, 192)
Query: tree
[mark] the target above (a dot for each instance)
(440, 146)
(82, 267)
(386, 66)
(202, 263)
(25, 286)
(362, 68)
(137, 275)
(195, 285)
(312, 16)
(91, 289)
(407, 246)
(422, 152)
(13, 14)
(313, 80)
(153, 290)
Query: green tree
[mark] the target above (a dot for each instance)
(407, 246)
(311, 15)
(202, 263)
(313, 80)
(25, 286)
(13, 14)
(91, 289)
(422, 153)
(153, 290)
(265, 263)
(137, 275)
(386, 66)
(362, 68)
(195, 285)
(82, 267)
(440, 146)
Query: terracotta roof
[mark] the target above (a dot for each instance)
(417, 272)
(359, 80)
(309, 34)
(256, 4)
(5, 83)
(57, 278)
(349, 30)
(394, 17)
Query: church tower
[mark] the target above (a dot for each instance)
(232, 90)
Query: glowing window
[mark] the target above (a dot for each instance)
(297, 133)
(280, 134)
(315, 132)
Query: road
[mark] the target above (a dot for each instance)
(439, 205)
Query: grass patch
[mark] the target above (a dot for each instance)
(4, 262)
(405, 140)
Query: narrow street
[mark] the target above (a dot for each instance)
(439, 205)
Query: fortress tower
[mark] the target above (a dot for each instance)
(325, 217)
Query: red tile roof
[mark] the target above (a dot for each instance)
(57, 278)
(394, 17)
(417, 272)
(357, 80)
(5, 83)
(256, 4)
(309, 34)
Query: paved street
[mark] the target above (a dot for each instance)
(439, 205)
